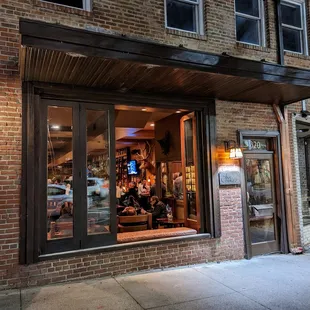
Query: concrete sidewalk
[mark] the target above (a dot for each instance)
(268, 282)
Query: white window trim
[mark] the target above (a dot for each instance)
(260, 19)
(199, 16)
(303, 29)
(87, 5)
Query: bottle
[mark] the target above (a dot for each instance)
(169, 213)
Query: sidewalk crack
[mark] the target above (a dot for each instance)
(128, 292)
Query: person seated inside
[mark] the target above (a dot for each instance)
(64, 224)
(66, 213)
(131, 192)
(158, 210)
(144, 193)
(132, 207)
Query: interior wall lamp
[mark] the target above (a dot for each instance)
(234, 150)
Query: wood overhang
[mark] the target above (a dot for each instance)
(58, 54)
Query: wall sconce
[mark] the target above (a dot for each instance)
(234, 150)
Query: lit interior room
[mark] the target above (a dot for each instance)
(155, 171)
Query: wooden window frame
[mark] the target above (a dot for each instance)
(32, 247)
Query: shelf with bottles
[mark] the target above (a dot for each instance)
(190, 179)
(122, 158)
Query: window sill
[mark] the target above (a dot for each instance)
(124, 246)
(252, 47)
(296, 55)
(61, 8)
(181, 33)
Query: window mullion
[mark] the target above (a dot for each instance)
(248, 16)
(190, 2)
(292, 27)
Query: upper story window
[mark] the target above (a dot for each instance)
(250, 26)
(294, 26)
(185, 15)
(79, 4)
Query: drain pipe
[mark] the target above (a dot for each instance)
(290, 222)
(279, 33)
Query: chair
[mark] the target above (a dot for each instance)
(61, 229)
(134, 223)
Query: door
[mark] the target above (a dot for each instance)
(261, 203)
(190, 174)
(76, 179)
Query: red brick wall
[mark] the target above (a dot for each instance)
(235, 116)
(10, 149)
(145, 19)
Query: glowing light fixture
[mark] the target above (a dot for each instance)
(234, 150)
(55, 127)
(143, 109)
(178, 111)
(152, 125)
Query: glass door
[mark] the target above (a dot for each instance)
(261, 203)
(99, 178)
(189, 171)
(76, 180)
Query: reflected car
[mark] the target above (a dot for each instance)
(97, 186)
(56, 197)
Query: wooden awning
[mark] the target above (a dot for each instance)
(59, 54)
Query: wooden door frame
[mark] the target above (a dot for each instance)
(192, 223)
(274, 137)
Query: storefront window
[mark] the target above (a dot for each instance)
(112, 170)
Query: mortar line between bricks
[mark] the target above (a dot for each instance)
(128, 293)
(233, 289)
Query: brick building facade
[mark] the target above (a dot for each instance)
(145, 21)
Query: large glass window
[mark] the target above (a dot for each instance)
(250, 27)
(294, 26)
(186, 15)
(105, 171)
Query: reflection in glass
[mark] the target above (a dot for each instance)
(249, 7)
(190, 177)
(181, 15)
(260, 200)
(291, 14)
(292, 40)
(73, 3)
(98, 172)
(247, 30)
(59, 183)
